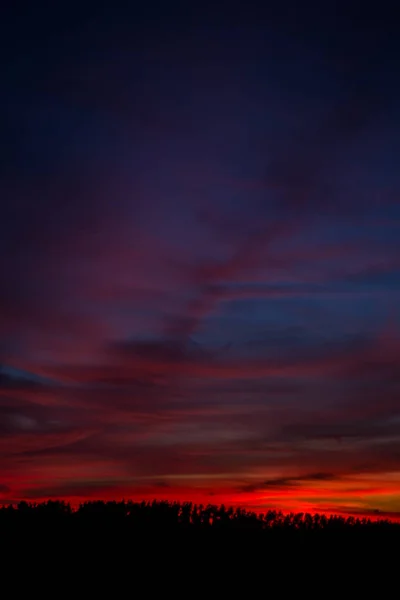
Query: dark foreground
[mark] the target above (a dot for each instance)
(187, 545)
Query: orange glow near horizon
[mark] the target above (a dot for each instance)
(359, 496)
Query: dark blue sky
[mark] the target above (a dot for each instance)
(200, 250)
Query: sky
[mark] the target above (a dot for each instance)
(200, 254)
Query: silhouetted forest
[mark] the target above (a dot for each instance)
(182, 546)
(175, 516)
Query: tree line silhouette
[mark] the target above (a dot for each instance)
(159, 515)
(181, 544)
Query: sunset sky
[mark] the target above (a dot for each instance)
(200, 254)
